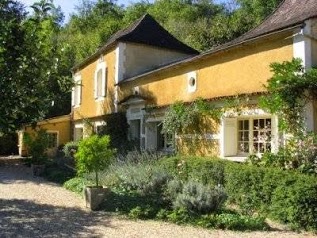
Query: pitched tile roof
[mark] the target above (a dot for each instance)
(148, 31)
(290, 14)
(144, 31)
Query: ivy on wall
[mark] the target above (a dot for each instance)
(289, 90)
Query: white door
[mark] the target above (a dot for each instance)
(230, 136)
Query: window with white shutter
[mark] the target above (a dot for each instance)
(251, 135)
(76, 92)
(100, 81)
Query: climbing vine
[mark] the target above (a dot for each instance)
(180, 116)
(289, 90)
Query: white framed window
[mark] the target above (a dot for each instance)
(191, 82)
(78, 132)
(76, 91)
(254, 135)
(52, 139)
(100, 81)
(243, 136)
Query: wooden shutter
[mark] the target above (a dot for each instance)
(230, 139)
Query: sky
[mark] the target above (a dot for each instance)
(68, 6)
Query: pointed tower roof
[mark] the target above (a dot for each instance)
(146, 30)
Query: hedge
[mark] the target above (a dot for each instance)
(286, 196)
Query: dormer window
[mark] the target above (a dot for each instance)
(100, 81)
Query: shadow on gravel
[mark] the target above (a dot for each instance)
(24, 218)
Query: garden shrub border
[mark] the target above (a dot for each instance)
(287, 196)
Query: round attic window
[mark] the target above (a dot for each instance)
(192, 81)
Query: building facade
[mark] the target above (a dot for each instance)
(144, 66)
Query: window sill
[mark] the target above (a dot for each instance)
(236, 158)
(100, 99)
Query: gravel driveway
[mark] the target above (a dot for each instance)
(33, 207)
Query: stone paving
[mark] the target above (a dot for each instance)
(33, 207)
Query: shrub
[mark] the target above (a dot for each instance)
(37, 145)
(198, 198)
(300, 153)
(70, 149)
(58, 174)
(205, 170)
(94, 155)
(287, 196)
(76, 184)
(139, 212)
(144, 178)
(295, 202)
(239, 222)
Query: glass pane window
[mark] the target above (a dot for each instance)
(243, 136)
(254, 135)
(99, 83)
(262, 135)
(52, 139)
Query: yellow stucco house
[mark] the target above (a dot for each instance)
(143, 65)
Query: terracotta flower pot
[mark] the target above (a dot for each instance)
(94, 196)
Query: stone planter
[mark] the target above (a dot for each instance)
(38, 169)
(94, 196)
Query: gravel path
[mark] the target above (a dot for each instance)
(33, 207)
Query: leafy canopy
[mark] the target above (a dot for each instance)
(94, 154)
(31, 65)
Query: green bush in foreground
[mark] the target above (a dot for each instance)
(76, 185)
(195, 197)
(286, 196)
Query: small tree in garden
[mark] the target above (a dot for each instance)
(37, 146)
(94, 155)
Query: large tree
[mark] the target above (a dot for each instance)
(30, 65)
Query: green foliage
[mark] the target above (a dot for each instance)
(254, 189)
(116, 126)
(58, 174)
(200, 24)
(289, 90)
(145, 178)
(180, 116)
(299, 153)
(37, 145)
(94, 155)
(70, 149)
(208, 171)
(76, 184)
(38, 69)
(295, 202)
(196, 197)
(234, 222)
(139, 212)
(283, 195)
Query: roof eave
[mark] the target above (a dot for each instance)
(210, 52)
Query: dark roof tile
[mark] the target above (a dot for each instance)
(144, 31)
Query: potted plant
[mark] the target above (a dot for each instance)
(37, 145)
(94, 155)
